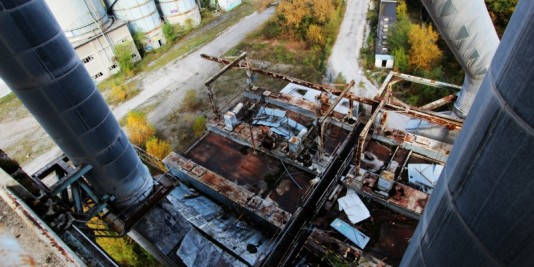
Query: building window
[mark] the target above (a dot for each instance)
(112, 67)
(96, 76)
(87, 59)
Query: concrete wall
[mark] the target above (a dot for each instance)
(228, 5)
(379, 60)
(98, 56)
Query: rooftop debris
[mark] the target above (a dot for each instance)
(353, 207)
(351, 233)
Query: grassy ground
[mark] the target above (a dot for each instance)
(293, 57)
(11, 108)
(34, 143)
(290, 56)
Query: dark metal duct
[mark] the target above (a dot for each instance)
(469, 32)
(482, 213)
(40, 66)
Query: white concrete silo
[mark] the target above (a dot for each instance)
(93, 34)
(179, 11)
(142, 17)
(80, 19)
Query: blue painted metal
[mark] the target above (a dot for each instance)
(76, 198)
(481, 212)
(69, 179)
(351, 233)
(98, 207)
(40, 66)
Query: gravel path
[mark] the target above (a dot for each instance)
(346, 51)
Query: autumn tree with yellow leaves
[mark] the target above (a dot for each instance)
(307, 19)
(424, 51)
(157, 148)
(139, 129)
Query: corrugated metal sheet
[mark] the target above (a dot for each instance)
(279, 123)
(353, 207)
(351, 233)
(424, 174)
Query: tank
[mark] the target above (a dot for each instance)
(142, 17)
(179, 11)
(481, 212)
(228, 5)
(42, 69)
(80, 19)
(467, 28)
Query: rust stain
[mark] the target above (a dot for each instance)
(40, 230)
(198, 171)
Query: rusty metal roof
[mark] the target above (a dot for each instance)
(264, 208)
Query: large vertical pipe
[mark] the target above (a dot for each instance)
(41, 68)
(481, 212)
(469, 32)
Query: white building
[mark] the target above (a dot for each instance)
(386, 19)
(93, 34)
(98, 56)
(226, 5)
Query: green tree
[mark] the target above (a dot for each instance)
(402, 10)
(123, 56)
(500, 12)
(401, 60)
(190, 101)
(169, 32)
(199, 125)
(398, 36)
(139, 41)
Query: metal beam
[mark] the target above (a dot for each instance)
(365, 131)
(328, 112)
(69, 179)
(432, 83)
(338, 99)
(439, 103)
(385, 83)
(225, 69)
(275, 75)
(450, 123)
(413, 111)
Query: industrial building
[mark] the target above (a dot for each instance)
(387, 16)
(307, 174)
(93, 34)
(94, 29)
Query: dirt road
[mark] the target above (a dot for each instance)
(190, 72)
(346, 51)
